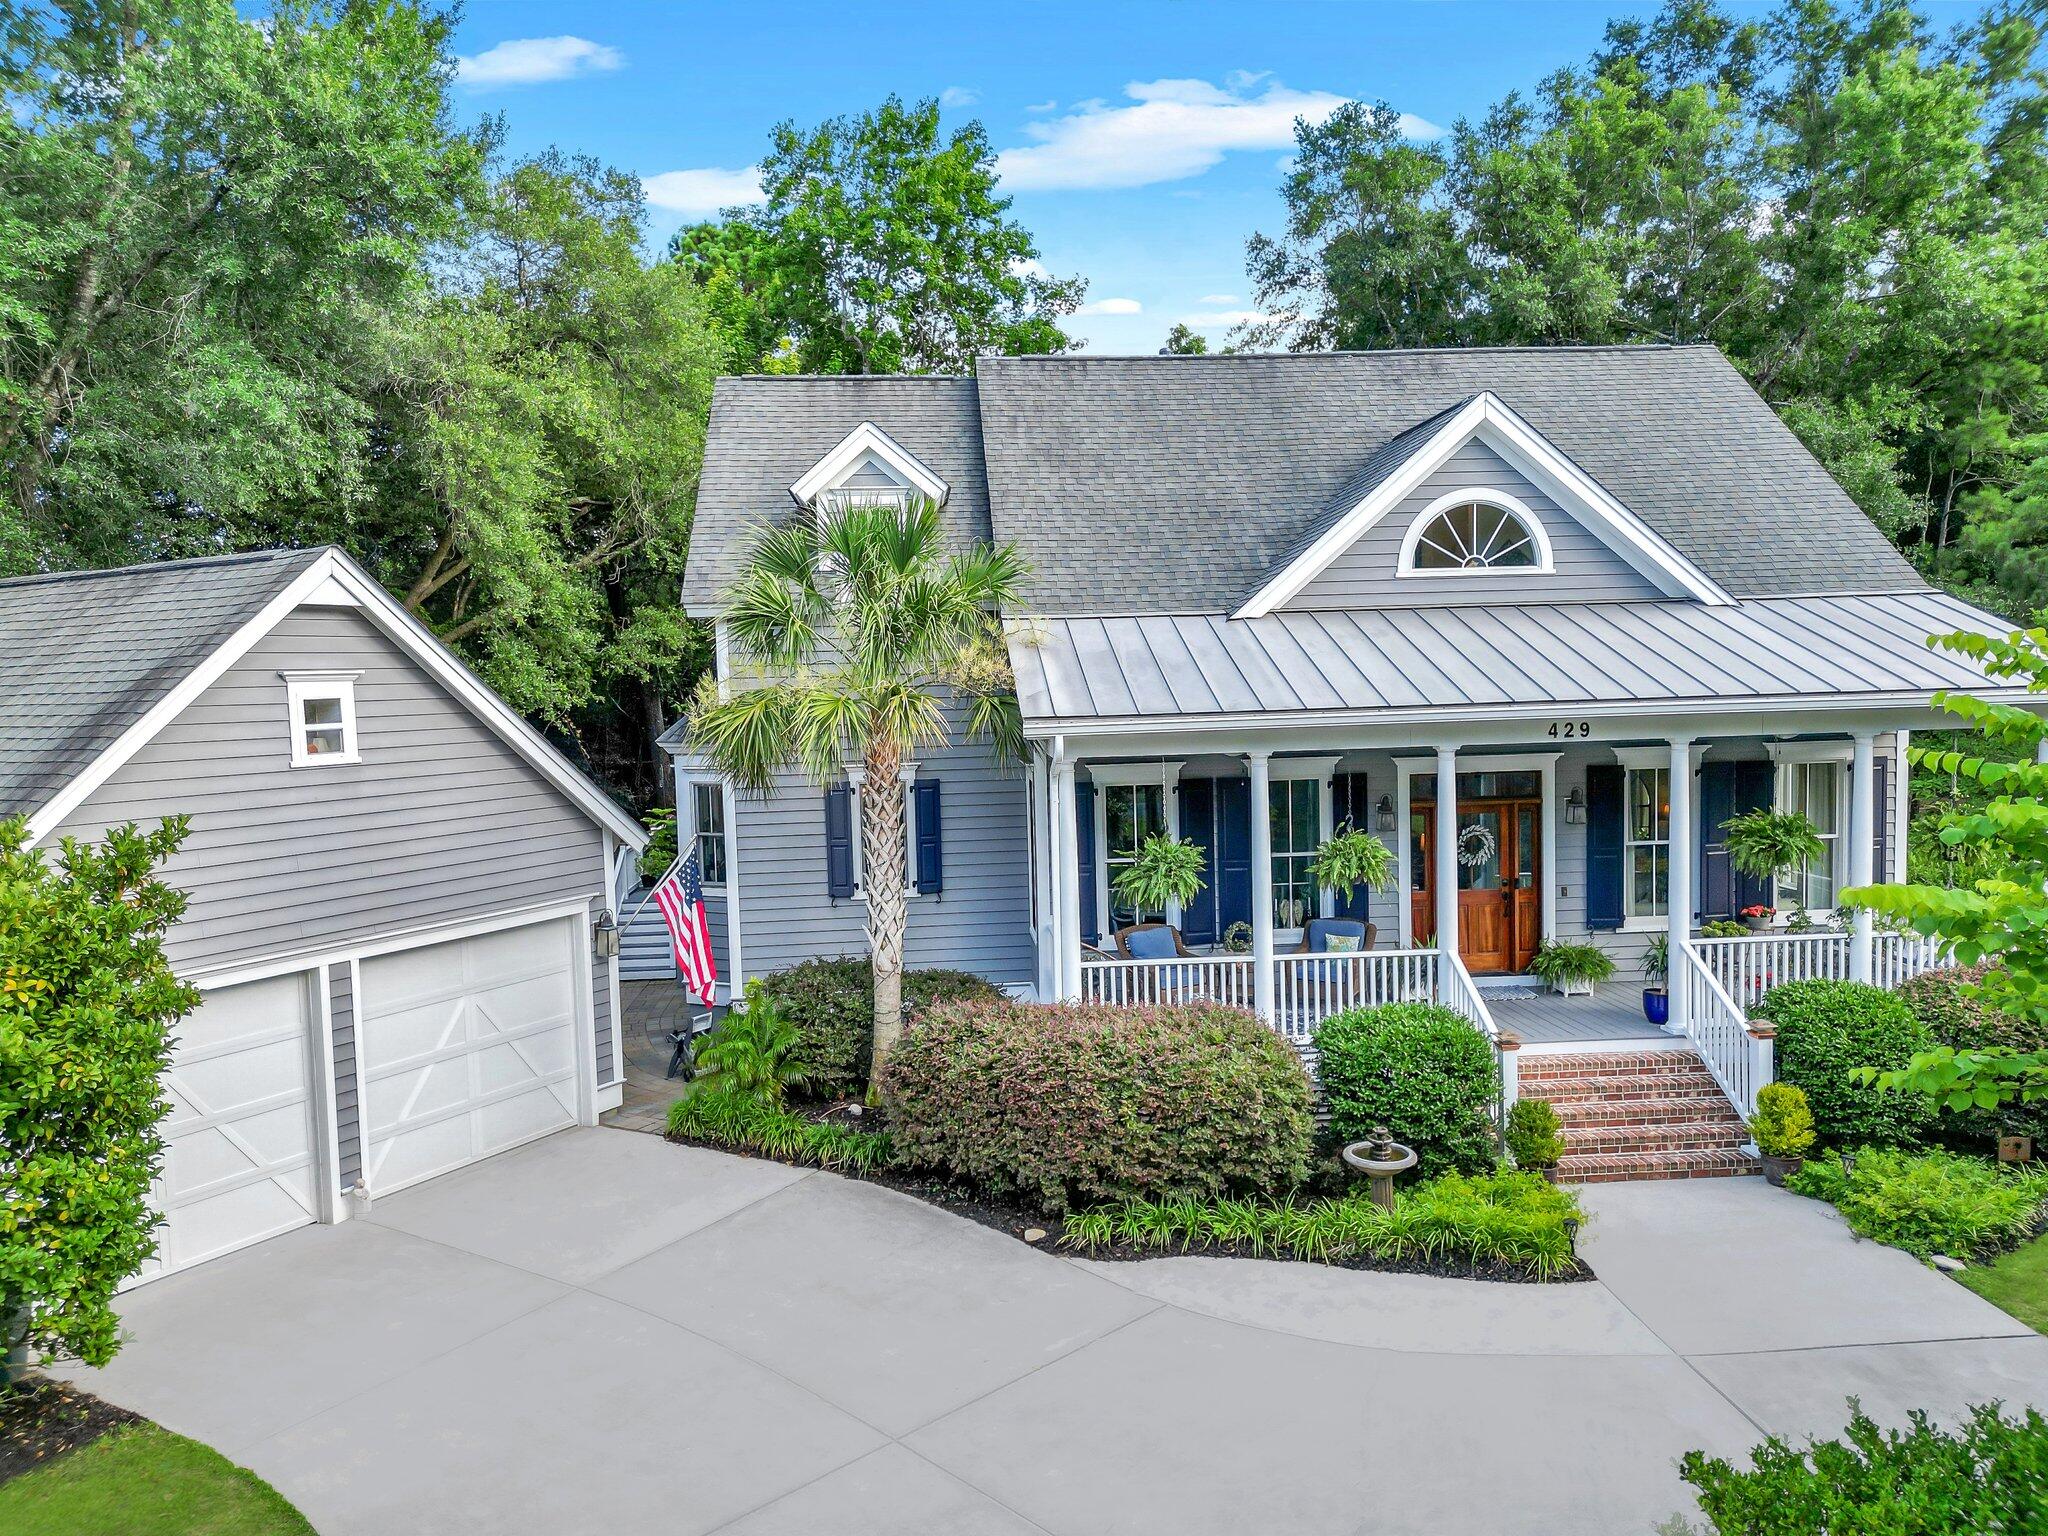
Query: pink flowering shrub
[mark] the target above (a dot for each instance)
(1067, 1105)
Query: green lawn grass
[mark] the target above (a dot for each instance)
(2018, 1282)
(145, 1481)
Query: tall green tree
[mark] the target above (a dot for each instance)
(203, 222)
(883, 246)
(858, 631)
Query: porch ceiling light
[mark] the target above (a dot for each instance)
(1383, 813)
(1575, 806)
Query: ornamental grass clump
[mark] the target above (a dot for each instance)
(751, 1125)
(1504, 1217)
(1929, 1202)
(1064, 1105)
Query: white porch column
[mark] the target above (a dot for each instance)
(1902, 806)
(1862, 846)
(1678, 884)
(1447, 849)
(1262, 884)
(1046, 977)
(1066, 885)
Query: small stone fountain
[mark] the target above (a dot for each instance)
(1379, 1157)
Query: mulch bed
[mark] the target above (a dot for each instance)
(42, 1419)
(1017, 1220)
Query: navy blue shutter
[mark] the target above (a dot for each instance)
(1756, 786)
(1717, 875)
(1604, 812)
(1233, 853)
(1198, 826)
(1084, 848)
(1352, 803)
(931, 842)
(1881, 860)
(839, 841)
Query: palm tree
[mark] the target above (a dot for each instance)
(862, 628)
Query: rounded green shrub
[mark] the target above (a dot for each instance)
(1067, 1105)
(1941, 999)
(1533, 1133)
(1828, 1028)
(831, 1003)
(1420, 1070)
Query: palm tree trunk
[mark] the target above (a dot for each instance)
(883, 879)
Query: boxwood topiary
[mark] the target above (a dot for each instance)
(1826, 1028)
(1068, 1105)
(1420, 1070)
(1941, 1000)
(831, 1003)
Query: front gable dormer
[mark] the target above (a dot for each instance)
(1475, 505)
(870, 466)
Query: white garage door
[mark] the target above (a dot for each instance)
(238, 1158)
(464, 1049)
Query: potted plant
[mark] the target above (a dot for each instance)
(1767, 845)
(1783, 1128)
(1164, 873)
(1757, 918)
(1349, 859)
(1535, 1138)
(1657, 971)
(1571, 968)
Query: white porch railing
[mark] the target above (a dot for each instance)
(1717, 1027)
(1749, 965)
(1309, 988)
(1306, 988)
(1225, 979)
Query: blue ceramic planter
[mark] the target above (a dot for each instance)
(1656, 1005)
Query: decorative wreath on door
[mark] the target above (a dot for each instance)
(1476, 845)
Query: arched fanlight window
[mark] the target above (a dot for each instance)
(1475, 531)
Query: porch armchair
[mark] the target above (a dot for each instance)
(1317, 932)
(1152, 941)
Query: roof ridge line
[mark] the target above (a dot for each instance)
(153, 567)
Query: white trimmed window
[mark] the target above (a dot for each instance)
(1811, 783)
(1475, 531)
(1130, 814)
(1646, 842)
(1298, 817)
(322, 709)
(707, 809)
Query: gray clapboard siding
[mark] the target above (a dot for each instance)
(602, 1022)
(348, 1124)
(982, 920)
(440, 821)
(1363, 576)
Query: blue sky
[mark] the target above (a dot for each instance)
(1142, 143)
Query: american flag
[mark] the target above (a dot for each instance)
(681, 899)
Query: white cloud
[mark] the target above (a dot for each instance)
(1051, 104)
(532, 60)
(699, 194)
(958, 96)
(1028, 266)
(1111, 307)
(1224, 319)
(1217, 300)
(1170, 130)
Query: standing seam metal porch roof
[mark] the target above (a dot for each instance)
(1148, 668)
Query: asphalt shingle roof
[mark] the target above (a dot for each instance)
(766, 431)
(85, 654)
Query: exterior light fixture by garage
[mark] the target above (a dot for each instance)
(604, 936)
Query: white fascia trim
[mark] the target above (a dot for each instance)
(1657, 756)
(1811, 751)
(867, 438)
(1488, 417)
(1486, 495)
(332, 572)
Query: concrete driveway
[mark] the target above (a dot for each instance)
(603, 1332)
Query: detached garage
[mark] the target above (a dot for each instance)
(399, 893)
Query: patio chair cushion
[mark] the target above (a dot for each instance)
(1150, 943)
(1324, 931)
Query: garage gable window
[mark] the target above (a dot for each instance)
(323, 717)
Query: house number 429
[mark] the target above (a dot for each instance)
(1567, 730)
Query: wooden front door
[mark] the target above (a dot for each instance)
(1500, 872)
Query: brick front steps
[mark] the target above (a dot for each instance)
(1638, 1115)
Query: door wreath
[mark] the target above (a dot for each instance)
(1476, 845)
